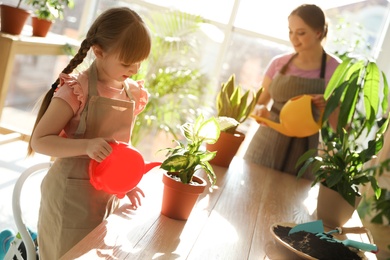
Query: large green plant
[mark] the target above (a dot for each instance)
(233, 101)
(172, 75)
(188, 157)
(359, 90)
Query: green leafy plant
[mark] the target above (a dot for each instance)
(172, 75)
(186, 158)
(234, 102)
(358, 91)
(50, 9)
(381, 207)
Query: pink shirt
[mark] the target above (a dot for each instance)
(278, 62)
(74, 90)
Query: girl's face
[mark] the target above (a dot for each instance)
(113, 69)
(302, 36)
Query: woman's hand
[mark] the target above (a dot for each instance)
(319, 101)
(135, 197)
(261, 111)
(99, 148)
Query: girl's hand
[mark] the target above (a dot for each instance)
(99, 148)
(319, 101)
(135, 197)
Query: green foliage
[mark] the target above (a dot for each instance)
(359, 91)
(233, 101)
(186, 159)
(378, 209)
(382, 208)
(50, 9)
(350, 37)
(172, 75)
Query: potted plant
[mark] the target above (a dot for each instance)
(234, 102)
(13, 18)
(358, 92)
(46, 11)
(182, 188)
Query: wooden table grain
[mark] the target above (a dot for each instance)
(230, 221)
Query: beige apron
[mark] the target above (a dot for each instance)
(70, 206)
(273, 149)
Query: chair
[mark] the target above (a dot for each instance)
(16, 207)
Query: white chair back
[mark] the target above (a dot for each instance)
(16, 206)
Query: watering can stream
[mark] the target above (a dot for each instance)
(296, 118)
(121, 171)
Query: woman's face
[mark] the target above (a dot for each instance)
(302, 36)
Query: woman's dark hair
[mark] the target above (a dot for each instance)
(120, 31)
(313, 16)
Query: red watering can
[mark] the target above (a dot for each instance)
(121, 171)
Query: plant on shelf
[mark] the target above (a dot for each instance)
(46, 11)
(50, 9)
(234, 102)
(358, 92)
(184, 160)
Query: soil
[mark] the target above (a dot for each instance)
(313, 246)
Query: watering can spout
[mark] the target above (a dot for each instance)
(151, 165)
(276, 126)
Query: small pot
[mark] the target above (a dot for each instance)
(332, 208)
(40, 27)
(13, 19)
(180, 198)
(226, 147)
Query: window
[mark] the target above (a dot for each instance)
(242, 36)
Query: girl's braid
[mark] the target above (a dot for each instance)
(76, 60)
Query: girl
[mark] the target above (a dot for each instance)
(78, 118)
(307, 71)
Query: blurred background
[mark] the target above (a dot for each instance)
(231, 36)
(197, 45)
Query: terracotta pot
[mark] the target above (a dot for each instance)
(332, 208)
(13, 19)
(40, 27)
(226, 147)
(179, 198)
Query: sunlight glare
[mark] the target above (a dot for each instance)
(204, 202)
(212, 32)
(225, 232)
(311, 201)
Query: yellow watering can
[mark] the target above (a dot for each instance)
(296, 118)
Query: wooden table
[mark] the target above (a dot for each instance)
(231, 221)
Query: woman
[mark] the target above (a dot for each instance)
(306, 71)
